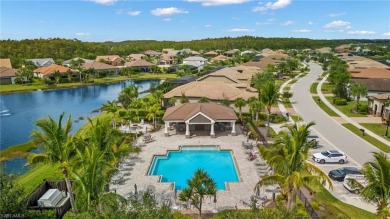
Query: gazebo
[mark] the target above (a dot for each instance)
(200, 117)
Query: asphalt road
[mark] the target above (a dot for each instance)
(332, 134)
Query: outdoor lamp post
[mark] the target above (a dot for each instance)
(362, 131)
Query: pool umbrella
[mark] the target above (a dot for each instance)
(135, 189)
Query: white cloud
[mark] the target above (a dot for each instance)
(338, 24)
(310, 23)
(218, 2)
(167, 19)
(271, 19)
(302, 31)
(263, 23)
(288, 23)
(240, 30)
(361, 32)
(82, 34)
(386, 34)
(271, 5)
(104, 2)
(168, 11)
(134, 13)
(208, 25)
(336, 14)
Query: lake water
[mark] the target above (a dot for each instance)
(18, 112)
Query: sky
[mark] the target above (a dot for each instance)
(182, 20)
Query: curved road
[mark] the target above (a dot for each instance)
(332, 134)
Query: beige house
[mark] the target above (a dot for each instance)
(142, 65)
(167, 60)
(114, 60)
(7, 75)
(47, 71)
(99, 67)
(199, 118)
(135, 57)
(210, 54)
(377, 104)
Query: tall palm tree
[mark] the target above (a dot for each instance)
(239, 103)
(289, 161)
(358, 90)
(377, 190)
(252, 106)
(258, 107)
(128, 96)
(269, 96)
(158, 95)
(153, 113)
(58, 147)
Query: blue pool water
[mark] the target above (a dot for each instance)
(179, 166)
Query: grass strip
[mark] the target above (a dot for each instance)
(20, 150)
(379, 129)
(324, 107)
(313, 88)
(368, 138)
(346, 109)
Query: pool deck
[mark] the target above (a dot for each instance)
(231, 198)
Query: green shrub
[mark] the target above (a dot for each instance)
(340, 102)
(363, 109)
(259, 123)
(315, 204)
(277, 118)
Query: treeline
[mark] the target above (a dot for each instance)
(63, 49)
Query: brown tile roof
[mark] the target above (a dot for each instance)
(262, 64)
(7, 72)
(211, 90)
(374, 84)
(107, 58)
(363, 62)
(194, 53)
(385, 96)
(136, 56)
(370, 73)
(51, 69)
(98, 66)
(138, 63)
(166, 57)
(5, 63)
(220, 57)
(152, 52)
(212, 110)
(211, 53)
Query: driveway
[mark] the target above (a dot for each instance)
(332, 136)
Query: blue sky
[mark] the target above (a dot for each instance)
(119, 20)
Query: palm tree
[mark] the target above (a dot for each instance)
(199, 186)
(158, 95)
(239, 103)
(57, 76)
(58, 147)
(269, 96)
(204, 100)
(153, 113)
(146, 101)
(128, 96)
(172, 101)
(261, 78)
(358, 90)
(258, 106)
(377, 190)
(111, 107)
(184, 98)
(252, 106)
(289, 162)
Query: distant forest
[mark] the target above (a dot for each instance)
(63, 49)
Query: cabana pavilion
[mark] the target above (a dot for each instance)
(201, 117)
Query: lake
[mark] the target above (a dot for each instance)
(18, 112)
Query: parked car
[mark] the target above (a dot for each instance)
(359, 178)
(331, 156)
(340, 173)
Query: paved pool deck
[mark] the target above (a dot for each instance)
(230, 198)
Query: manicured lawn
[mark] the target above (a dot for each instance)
(379, 129)
(327, 88)
(296, 118)
(346, 109)
(336, 208)
(313, 88)
(34, 177)
(325, 108)
(368, 138)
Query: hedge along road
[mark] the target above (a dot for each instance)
(329, 130)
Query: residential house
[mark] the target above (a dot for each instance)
(267, 60)
(7, 75)
(231, 53)
(220, 58)
(251, 51)
(101, 67)
(5, 63)
(142, 65)
(136, 56)
(197, 118)
(214, 91)
(377, 80)
(47, 71)
(113, 60)
(195, 53)
(167, 60)
(68, 62)
(377, 104)
(183, 80)
(210, 54)
(152, 53)
(42, 62)
(195, 62)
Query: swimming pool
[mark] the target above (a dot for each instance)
(179, 166)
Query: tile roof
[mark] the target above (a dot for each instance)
(7, 72)
(67, 62)
(98, 66)
(138, 63)
(5, 63)
(107, 58)
(262, 64)
(152, 52)
(195, 58)
(385, 96)
(211, 90)
(374, 84)
(51, 69)
(211, 53)
(136, 56)
(212, 110)
(370, 73)
(42, 62)
(220, 57)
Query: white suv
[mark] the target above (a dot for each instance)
(330, 157)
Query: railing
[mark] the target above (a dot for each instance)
(309, 209)
(262, 138)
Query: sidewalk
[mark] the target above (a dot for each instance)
(346, 118)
